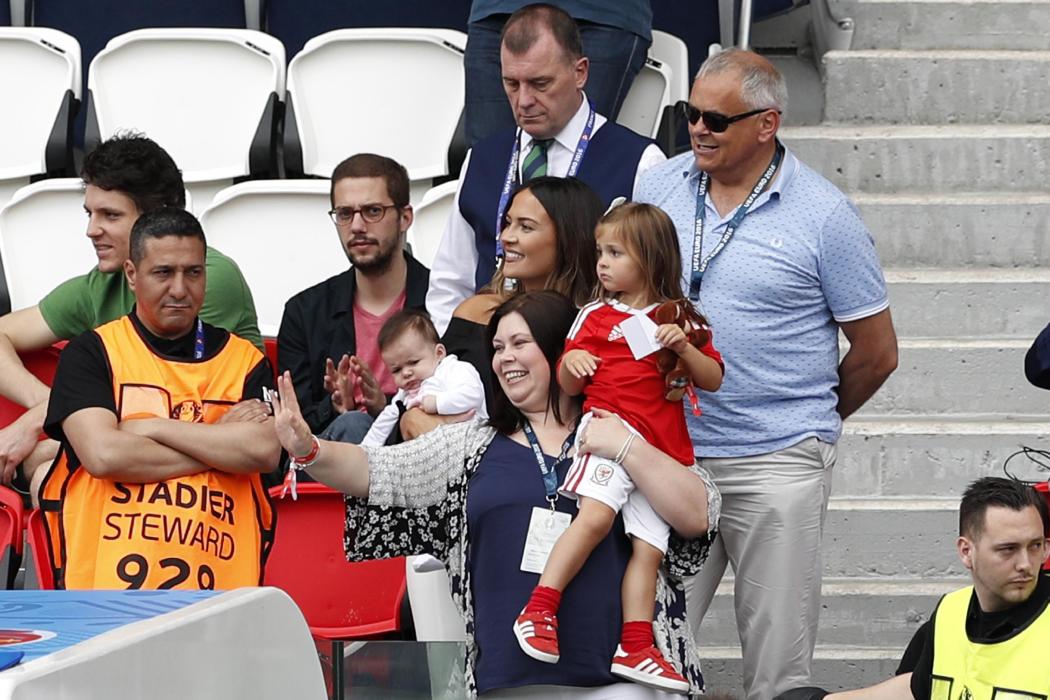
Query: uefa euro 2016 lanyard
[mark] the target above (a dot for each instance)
(198, 343)
(545, 525)
(549, 473)
(512, 171)
(700, 264)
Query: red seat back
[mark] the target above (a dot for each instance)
(36, 536)
(42, 364)
(10, 533)
(271, 353)
(340, 600)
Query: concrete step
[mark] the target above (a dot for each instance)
(969, 303)
(896, 159)
(948, 24)
(937, 87)
(892, 538)
(978, 229)
(960, 378)
(888, 457)
(834, 668)
(853, 611)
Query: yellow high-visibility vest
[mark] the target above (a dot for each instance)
(1017, 668)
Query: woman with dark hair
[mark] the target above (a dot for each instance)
(548, 243)
(477, 496)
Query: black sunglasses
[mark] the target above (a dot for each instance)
(715, 122)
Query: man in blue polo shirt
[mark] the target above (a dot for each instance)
(559, 133)
(779, 261)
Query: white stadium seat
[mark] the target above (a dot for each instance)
(280, 235)
(202, 94)
(650, 92)
(42, 239)
(397, 92)
(429, 221)
(673, 53)
(39, 87)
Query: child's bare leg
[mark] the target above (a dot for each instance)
(536, 629)
(590, 527)
(637, 659)
(638, 591)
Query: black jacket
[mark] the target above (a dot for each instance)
(318, 324)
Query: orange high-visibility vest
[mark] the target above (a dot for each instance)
(211, 530)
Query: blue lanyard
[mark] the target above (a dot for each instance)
(198, 343)
(512, 171)
(549, 473)
(700, 264)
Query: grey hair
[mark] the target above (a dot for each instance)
(762, 86)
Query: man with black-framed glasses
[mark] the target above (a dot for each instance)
(328, 333)
(779, 261)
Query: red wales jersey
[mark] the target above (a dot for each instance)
(632, 389)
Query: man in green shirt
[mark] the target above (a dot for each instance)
(124, 177)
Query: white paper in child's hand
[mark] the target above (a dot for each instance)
(640, 332)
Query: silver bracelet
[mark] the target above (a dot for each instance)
(622, 454)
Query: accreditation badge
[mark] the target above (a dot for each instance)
(545, 527)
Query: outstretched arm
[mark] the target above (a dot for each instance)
(340, 465)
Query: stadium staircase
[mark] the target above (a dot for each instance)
(937, 123)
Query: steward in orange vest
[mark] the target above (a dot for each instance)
(163, 436)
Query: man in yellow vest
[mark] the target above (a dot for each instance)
(988, 641)
(156, 484)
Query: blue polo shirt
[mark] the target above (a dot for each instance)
(800, 263)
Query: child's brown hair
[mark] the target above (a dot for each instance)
(649, 236)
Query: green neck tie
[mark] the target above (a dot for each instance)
(535, 163)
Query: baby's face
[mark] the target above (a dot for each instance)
(411, 358)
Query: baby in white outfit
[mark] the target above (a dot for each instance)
(425, 375)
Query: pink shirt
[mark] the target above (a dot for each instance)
(366, 329)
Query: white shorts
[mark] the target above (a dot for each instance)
(607, 482)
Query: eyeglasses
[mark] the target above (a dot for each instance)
(715, 122)
(371, 213)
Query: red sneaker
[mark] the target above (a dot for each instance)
(537, 634)
(650, 668)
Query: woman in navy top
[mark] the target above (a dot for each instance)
(466, 493)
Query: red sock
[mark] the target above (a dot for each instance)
(636, 636)
(544, 599)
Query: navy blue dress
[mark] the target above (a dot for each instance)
(500, 499)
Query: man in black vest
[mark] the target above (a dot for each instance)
(558, 133)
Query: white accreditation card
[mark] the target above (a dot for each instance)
(545, 528)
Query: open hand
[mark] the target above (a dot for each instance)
(371, 395)
(339, 383)
(292, 430)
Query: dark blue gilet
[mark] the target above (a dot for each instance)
(609, 167)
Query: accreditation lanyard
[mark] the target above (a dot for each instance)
(700, 263)
(198, 343)
(512, 170)
(549, 473)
